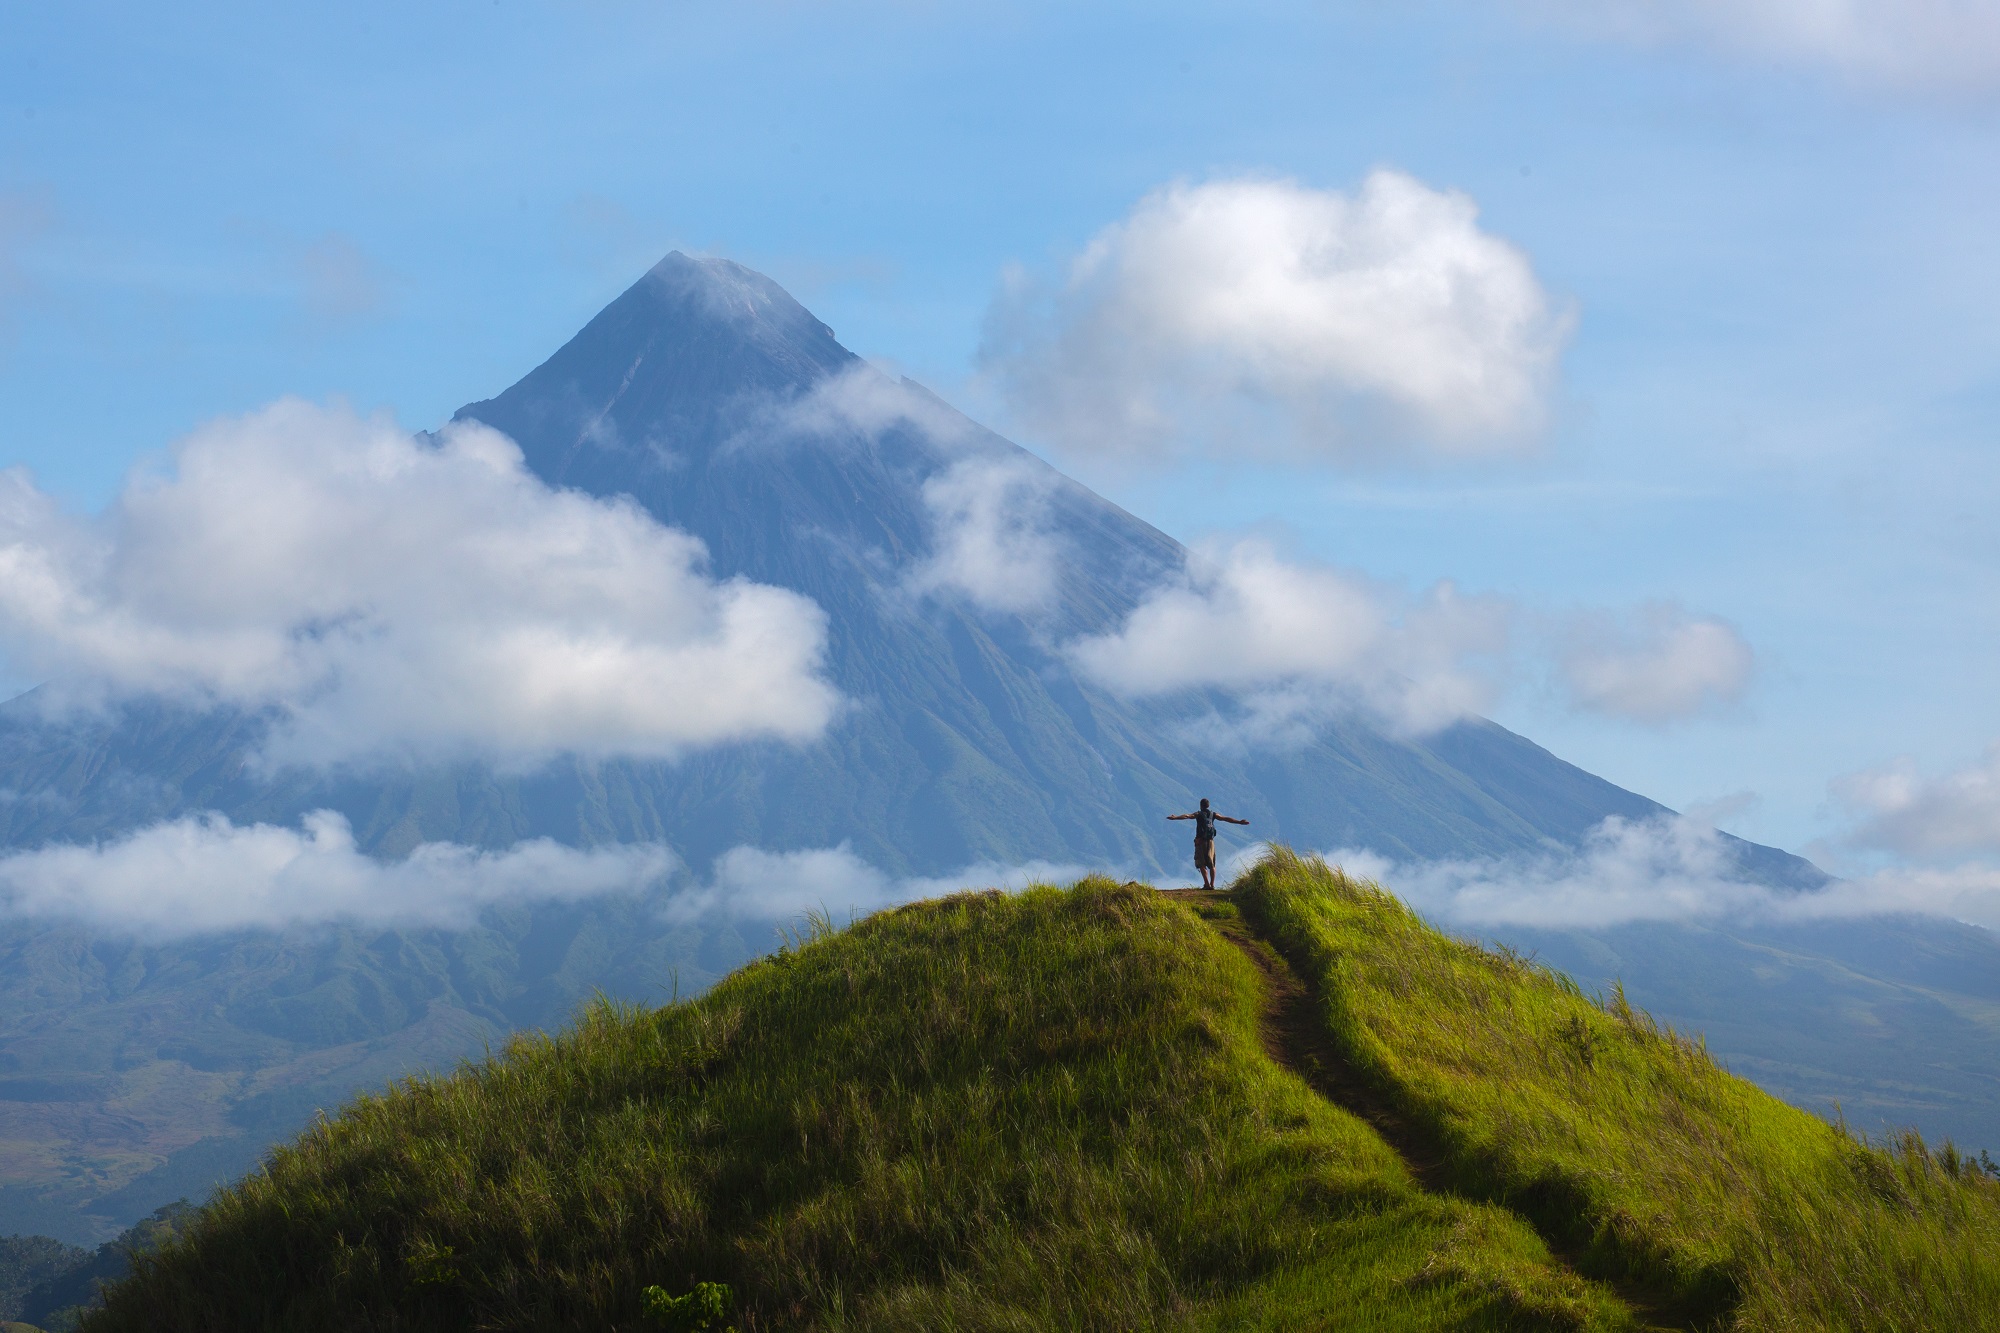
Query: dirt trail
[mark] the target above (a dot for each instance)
(1294, 1037)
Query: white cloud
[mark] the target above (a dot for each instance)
(1261, 316)
(389, 597)
(203, 874)
(1665, 869)
(1903, 811)
(1293, 640)
(1296, 643)
(1929, 44)
(995, 875)
(748, 881)
(1671, 868)
(863, 400)
(751, 882)
(993, 541)
(1662, 665)
(994, 544)
(1969, 892)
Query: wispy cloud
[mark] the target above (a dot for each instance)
(339, 282)
(204, 874)
(23, 218)
(388, 597)
(994, 541)
(1932, 45)
(863, 402)
(1899, 809)
(1671, 868)
(1260, 315)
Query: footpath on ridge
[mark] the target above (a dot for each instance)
(1294, 1037)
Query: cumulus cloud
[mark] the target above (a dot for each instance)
(1670, 868)
(1662, 665)
(994, 542)
(1925, 44)
(1899, 809)
(1259, 315)
(381, 595)
(1296, 640)
(752, 882)
(204, 874)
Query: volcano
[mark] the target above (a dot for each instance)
(720, 404)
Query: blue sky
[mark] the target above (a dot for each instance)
(1777, 404)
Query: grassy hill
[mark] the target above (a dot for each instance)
(1290, 1106)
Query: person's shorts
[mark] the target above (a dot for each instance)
(1204, 856)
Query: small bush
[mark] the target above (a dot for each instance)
(703, 1310)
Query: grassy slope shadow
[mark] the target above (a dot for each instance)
(1042, 1111)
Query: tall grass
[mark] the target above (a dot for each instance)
(1032, 1112)
(1626, 1140)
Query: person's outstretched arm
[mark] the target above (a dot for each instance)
(1180, 816)
(1227, 820)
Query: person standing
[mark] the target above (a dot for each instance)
(1204, 839)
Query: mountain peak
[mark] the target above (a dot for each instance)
(726, 293)
(667, 367)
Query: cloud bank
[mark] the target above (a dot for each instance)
(1940, 45)
(1262, 316)
(204, 874)
(752, 882)
(384, 596)
(1670, 869)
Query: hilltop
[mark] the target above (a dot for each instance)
(1289, 1105)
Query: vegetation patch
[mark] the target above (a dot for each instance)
(1624, 1141)
(1049, 1110)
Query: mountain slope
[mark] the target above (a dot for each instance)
(719, 403)
(1062, 1109)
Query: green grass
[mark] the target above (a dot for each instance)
(1056, 1110)
(1626, 1140)
(1042, 1111)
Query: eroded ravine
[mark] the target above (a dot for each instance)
(1295, 1038)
